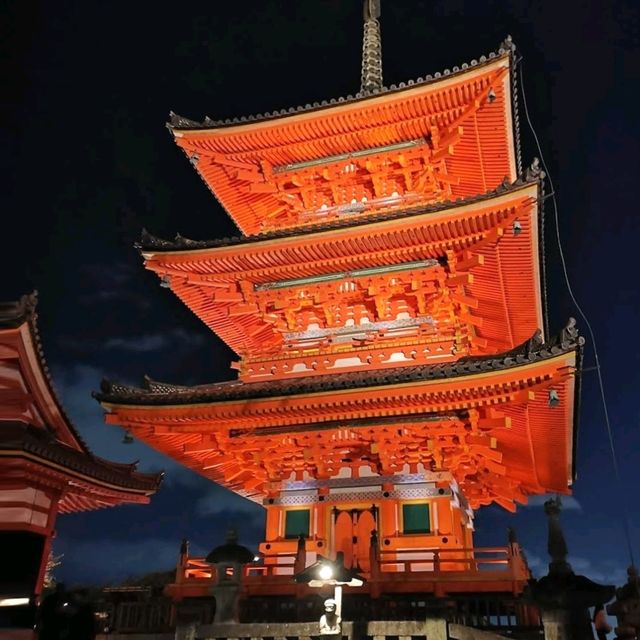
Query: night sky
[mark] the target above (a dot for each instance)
(87, 163)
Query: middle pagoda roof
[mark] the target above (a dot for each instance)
(461, 265)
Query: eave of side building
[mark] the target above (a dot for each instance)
(37, 439)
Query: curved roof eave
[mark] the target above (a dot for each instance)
(180, 123)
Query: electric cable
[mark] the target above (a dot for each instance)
(583, 315)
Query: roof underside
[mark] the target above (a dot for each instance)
(270, 173)
(490, 245)
(252, 437)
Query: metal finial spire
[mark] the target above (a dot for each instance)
(371, 80)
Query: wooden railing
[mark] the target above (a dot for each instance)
(199, 569)
(472, 560)
(441, 563)
(280, 565)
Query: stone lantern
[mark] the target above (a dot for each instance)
(564, 598)
(228, 560)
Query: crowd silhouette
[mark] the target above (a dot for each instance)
(66, 616)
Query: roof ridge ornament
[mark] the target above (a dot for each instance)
(371, 78)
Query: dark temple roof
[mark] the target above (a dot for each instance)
(154, 393)
(17, 437)
(149, 242)
(231, 551)
(15, 313)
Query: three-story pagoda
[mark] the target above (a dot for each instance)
(386, 301)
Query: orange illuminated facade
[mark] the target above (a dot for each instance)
(387, 306)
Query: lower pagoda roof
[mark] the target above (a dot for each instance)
(504, 425)
(38, 440)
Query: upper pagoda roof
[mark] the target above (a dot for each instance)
(180, 123)
(34, 429)
(258, 166)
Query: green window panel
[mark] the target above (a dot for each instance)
(296, 522)
(415, 518)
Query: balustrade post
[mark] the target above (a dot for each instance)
(183, 558)
(301, 555)
(374, 563)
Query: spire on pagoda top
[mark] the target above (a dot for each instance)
(371, 79)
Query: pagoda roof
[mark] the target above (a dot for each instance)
(181, 123)
(515, 415)
(480, 227)
(152, 244)
(237, 158)
(35, 431)
(155, 393)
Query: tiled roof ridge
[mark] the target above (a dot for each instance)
(44, 445)
(149, 242)
(181, 123)
(532, 350)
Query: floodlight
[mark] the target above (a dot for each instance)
(14, 602)
(326, 572)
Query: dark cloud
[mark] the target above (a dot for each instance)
(177, 338)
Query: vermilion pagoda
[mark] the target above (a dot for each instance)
(386, 302)
(45, 467)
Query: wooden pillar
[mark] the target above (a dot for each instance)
(301, 556)
(374, 566)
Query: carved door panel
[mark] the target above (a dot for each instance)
(352, 536)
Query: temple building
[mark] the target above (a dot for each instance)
(45, 468)
(386, 301)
